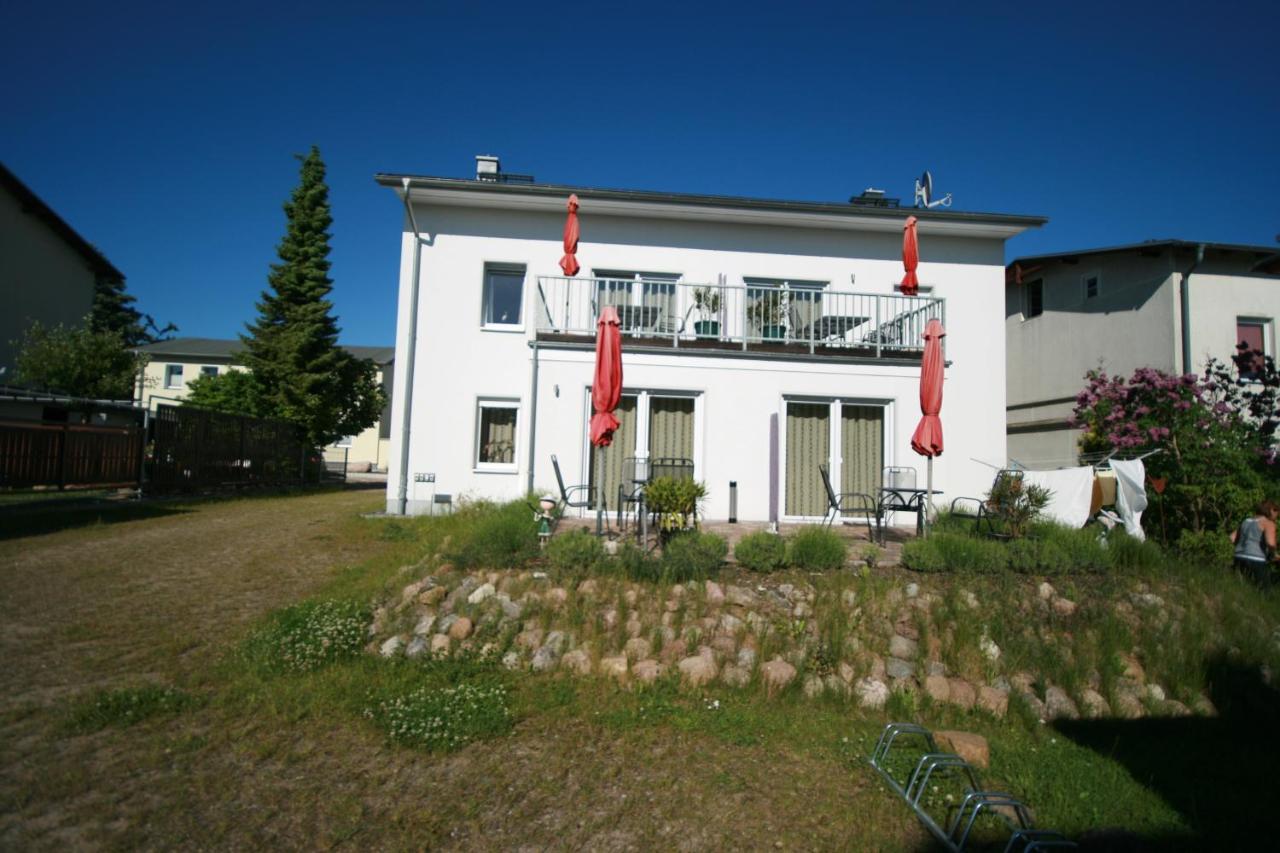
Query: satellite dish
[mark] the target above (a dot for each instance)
(924, 193)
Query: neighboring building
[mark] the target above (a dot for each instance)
(1166, 304)
(176, 363)
(47, 270)
(811, 357)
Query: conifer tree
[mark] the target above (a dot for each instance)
(292, 348)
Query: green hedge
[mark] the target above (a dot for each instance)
(761, 551)
(1050, 549)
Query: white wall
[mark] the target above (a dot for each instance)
(457, 361)
(1217, 301)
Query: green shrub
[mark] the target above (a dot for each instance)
(309, 635)
(1208, 550)
(955, 552)
(494, 536)
(1128, 553)
(126, 706)
(761, 551)
(922, 555)
(576, 553)
(444, 719)
(638, 564)
(692, 556)
(1037, 557)
(1083, 550)
(816, 549)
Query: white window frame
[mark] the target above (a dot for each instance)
(511, 268)
(208, 370)
(643, 396)
(169, 371)
(1254, 320)
(1084, 286)
(511, 467)
(835, 462)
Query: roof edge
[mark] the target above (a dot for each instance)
(38, 208)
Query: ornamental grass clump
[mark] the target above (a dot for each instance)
(445, 719)
(493, 536)
(308, 636)
(816, 549)
(761, 551)
(692, 556)
(575, 554)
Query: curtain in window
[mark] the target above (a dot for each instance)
(808, 446)
(671, 427)
(497, 435)
(861, 448)
(610, 459)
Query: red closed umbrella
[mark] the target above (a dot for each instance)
(910, 257)
(569, 263)
(927, 439)
(606, 389)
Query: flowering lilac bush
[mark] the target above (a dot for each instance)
(1215, 458)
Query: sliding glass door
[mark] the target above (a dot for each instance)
(848, 438)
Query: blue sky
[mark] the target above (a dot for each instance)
(164, 133)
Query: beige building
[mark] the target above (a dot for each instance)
(1165, 304)
(176, 363)
(47, 270)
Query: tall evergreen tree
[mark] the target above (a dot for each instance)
(113, 311)
(292, 348)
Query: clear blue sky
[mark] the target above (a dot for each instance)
(164, 132)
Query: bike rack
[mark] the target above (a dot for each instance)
(1023, 836)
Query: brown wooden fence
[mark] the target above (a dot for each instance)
(198, 448)
(69, 455)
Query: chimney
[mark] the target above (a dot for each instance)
(487, 167)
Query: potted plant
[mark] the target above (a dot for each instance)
(765, 313)
(707, 301)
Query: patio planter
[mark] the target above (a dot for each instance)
(773, 333)
(706, 328)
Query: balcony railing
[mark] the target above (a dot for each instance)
(781, 317)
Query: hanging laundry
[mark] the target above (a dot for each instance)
(1131, 494)
(1070, 493)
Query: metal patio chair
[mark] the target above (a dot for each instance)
(567, 494)
(840, 505)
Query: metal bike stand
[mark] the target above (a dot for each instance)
(1023, 838)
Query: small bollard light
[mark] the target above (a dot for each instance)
(733, 501)
(546, 505)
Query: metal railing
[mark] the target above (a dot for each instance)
(678, 314)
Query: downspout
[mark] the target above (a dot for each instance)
(406, 415)
(1184, 298)
(533, 415)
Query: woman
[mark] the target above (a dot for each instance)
(1255, 542)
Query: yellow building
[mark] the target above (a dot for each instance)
(176, 363)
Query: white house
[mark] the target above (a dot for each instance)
(1166, 304)
(810, 358)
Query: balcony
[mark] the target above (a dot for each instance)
(783, 318)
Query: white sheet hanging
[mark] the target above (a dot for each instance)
(1131, 494)
(1070, 493)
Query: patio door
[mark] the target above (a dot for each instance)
(808, 446)
(606, 463)
(671, 427)
(846, 437)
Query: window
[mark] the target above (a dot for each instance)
(496, 435)
(1091, 285)
(777, 304)
(208, 370)
(173, 376)
(1251, 340)
(503, 296)
(1035, 299)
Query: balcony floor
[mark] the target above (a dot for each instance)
(634, 342)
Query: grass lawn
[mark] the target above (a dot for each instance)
(193, 745)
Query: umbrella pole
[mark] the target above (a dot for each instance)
(928, 495)
(599, 491)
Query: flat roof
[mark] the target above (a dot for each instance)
(228, 348)
(815, 212)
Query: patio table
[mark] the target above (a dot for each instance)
(904, 499)
(830, 326)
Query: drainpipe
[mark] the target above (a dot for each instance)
(406, 415)
(533, 415)
(1184, 298)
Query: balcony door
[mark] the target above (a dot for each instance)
(646, 300)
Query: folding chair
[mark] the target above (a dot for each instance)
(567, 499)
(849, 502)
